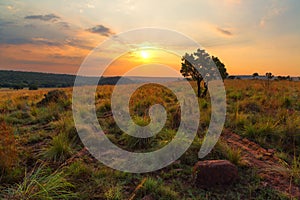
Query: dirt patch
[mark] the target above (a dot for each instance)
(269, 167)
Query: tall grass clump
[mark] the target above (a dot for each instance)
(61, 147)
(295, 170)
(114, 193)
(137, 143)
(157, 190)
(39, 184)
(232, 154)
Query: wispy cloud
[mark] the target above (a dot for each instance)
(64, 25)
(232, 1)
(273, 11)
(48, 17)
(100, 29)
(45, 41)
(4, 23)
(224, 31)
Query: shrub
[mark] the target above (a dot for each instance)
(114, 193)
(20, 117)
(8, 150)
(55, 96)
(33, 87)
(287, 103)
(104, 108)
(250, 107)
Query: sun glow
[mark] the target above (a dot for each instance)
(144, 54)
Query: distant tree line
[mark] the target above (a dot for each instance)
(34, 80)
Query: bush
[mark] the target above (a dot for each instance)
(33, 87)
(54, 96)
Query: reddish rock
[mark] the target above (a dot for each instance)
(215, 172)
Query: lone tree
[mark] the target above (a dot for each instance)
(198, 61)
(269, 76)
(255, 75)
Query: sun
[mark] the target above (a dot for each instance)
(144, 54)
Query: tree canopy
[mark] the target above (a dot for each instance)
(201, 67)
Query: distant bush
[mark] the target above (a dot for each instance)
(17, 87)
(53, 96)
(33, 87)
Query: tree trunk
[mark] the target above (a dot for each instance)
(198, 87)
(205, 90)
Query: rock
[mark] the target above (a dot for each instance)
(215, 172)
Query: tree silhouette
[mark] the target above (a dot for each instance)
(255, 74)
(200, 61)
(269, 76)
(221, 67)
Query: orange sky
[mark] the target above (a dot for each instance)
(56, 36)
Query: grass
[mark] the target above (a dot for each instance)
(60, 148)
(268, 116)
(231, 154)
(40, 184)
(295, 170)
(114, 193)
(157, 190)
(8, 148)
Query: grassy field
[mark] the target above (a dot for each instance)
(43, 158)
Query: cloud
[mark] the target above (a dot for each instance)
(64, 25)
(274, 11)
(48, 17)
(232, 1)
(224, 31)
(14, 41)
(65, 57)
(9, 7)
(34, 41)
(4, 23)
(100, 29)
(90, 5)
(44, 41)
